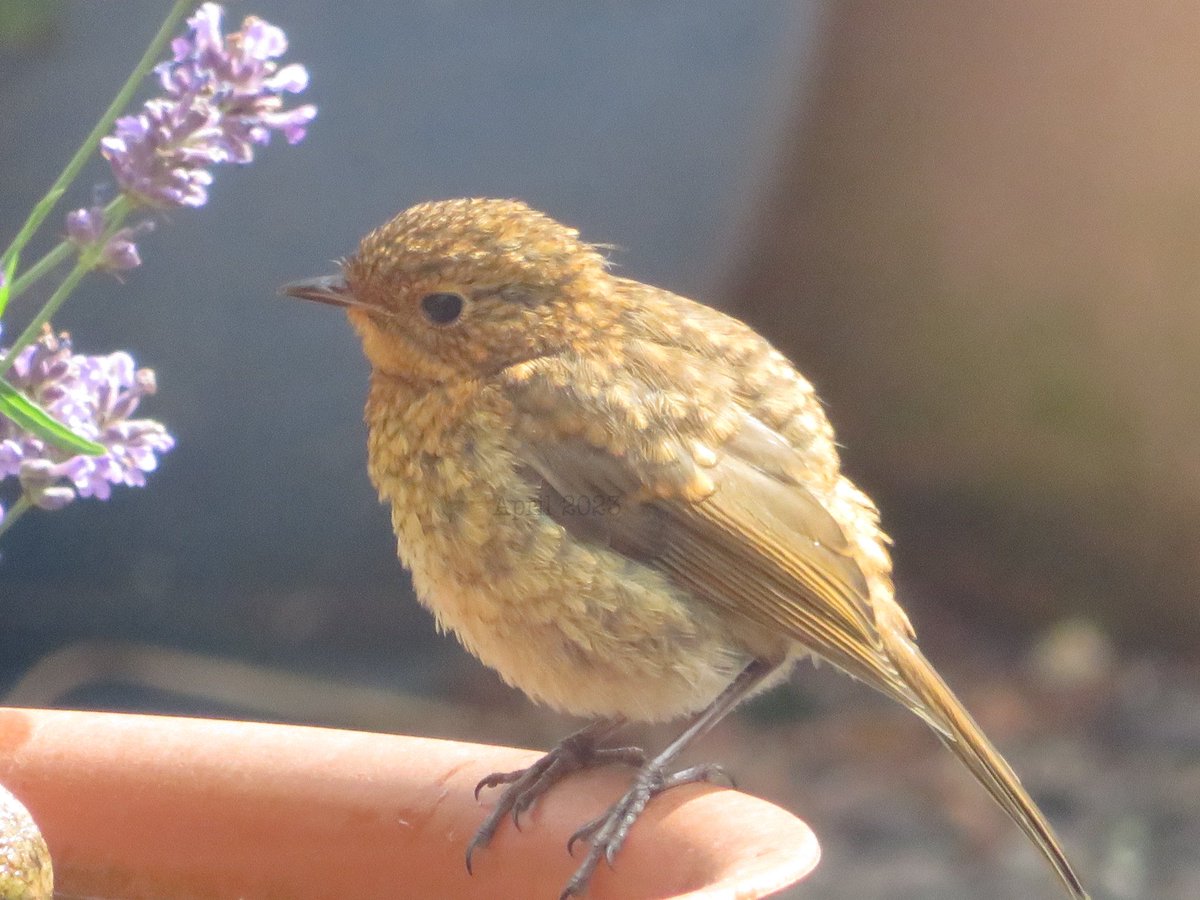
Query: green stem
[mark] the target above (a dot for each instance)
(14, 512)
(114, 216)
(40, 268)
(169, 26)
(83, 265)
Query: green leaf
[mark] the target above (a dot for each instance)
(31, 417)
(10, 272)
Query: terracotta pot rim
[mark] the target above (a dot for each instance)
(162, 806)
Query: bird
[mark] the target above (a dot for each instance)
(628, 504)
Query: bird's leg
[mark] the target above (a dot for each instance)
(607, 833)
(572, 754)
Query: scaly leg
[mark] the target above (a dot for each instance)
(573, 754)
(607, 833)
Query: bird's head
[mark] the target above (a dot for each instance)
(458, 288)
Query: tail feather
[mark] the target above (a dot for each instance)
(964, 738)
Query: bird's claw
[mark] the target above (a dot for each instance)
(526, 786)
(496, 779)
(607, 833)
(584, 833)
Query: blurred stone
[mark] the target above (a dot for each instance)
(1072, 655)
(26, 872)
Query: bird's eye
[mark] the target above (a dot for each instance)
(442, 309)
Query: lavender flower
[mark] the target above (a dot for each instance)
(223, 95)
(85, 228)
(95, 397)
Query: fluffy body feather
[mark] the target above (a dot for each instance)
(618, 498)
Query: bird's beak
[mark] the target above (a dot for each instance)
(329, 289)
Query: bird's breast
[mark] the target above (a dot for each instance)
(574, 625)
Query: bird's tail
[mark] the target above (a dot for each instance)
(959, 732)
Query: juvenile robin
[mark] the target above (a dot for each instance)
(626, 503)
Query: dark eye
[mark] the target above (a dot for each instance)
(442, 309)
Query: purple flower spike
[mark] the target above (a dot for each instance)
(39, 484)
(222, 95)
(85, 228)
(95, 396)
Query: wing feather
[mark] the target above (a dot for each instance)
(758, 545)
(732, 513)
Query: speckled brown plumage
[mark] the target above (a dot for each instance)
(617, 498)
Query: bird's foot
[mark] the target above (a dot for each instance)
(607, 833)
(573, 754)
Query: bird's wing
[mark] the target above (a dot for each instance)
(729, 511)
(711, 497)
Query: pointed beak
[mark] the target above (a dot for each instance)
(329, 289)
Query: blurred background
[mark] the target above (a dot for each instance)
(976, 227)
